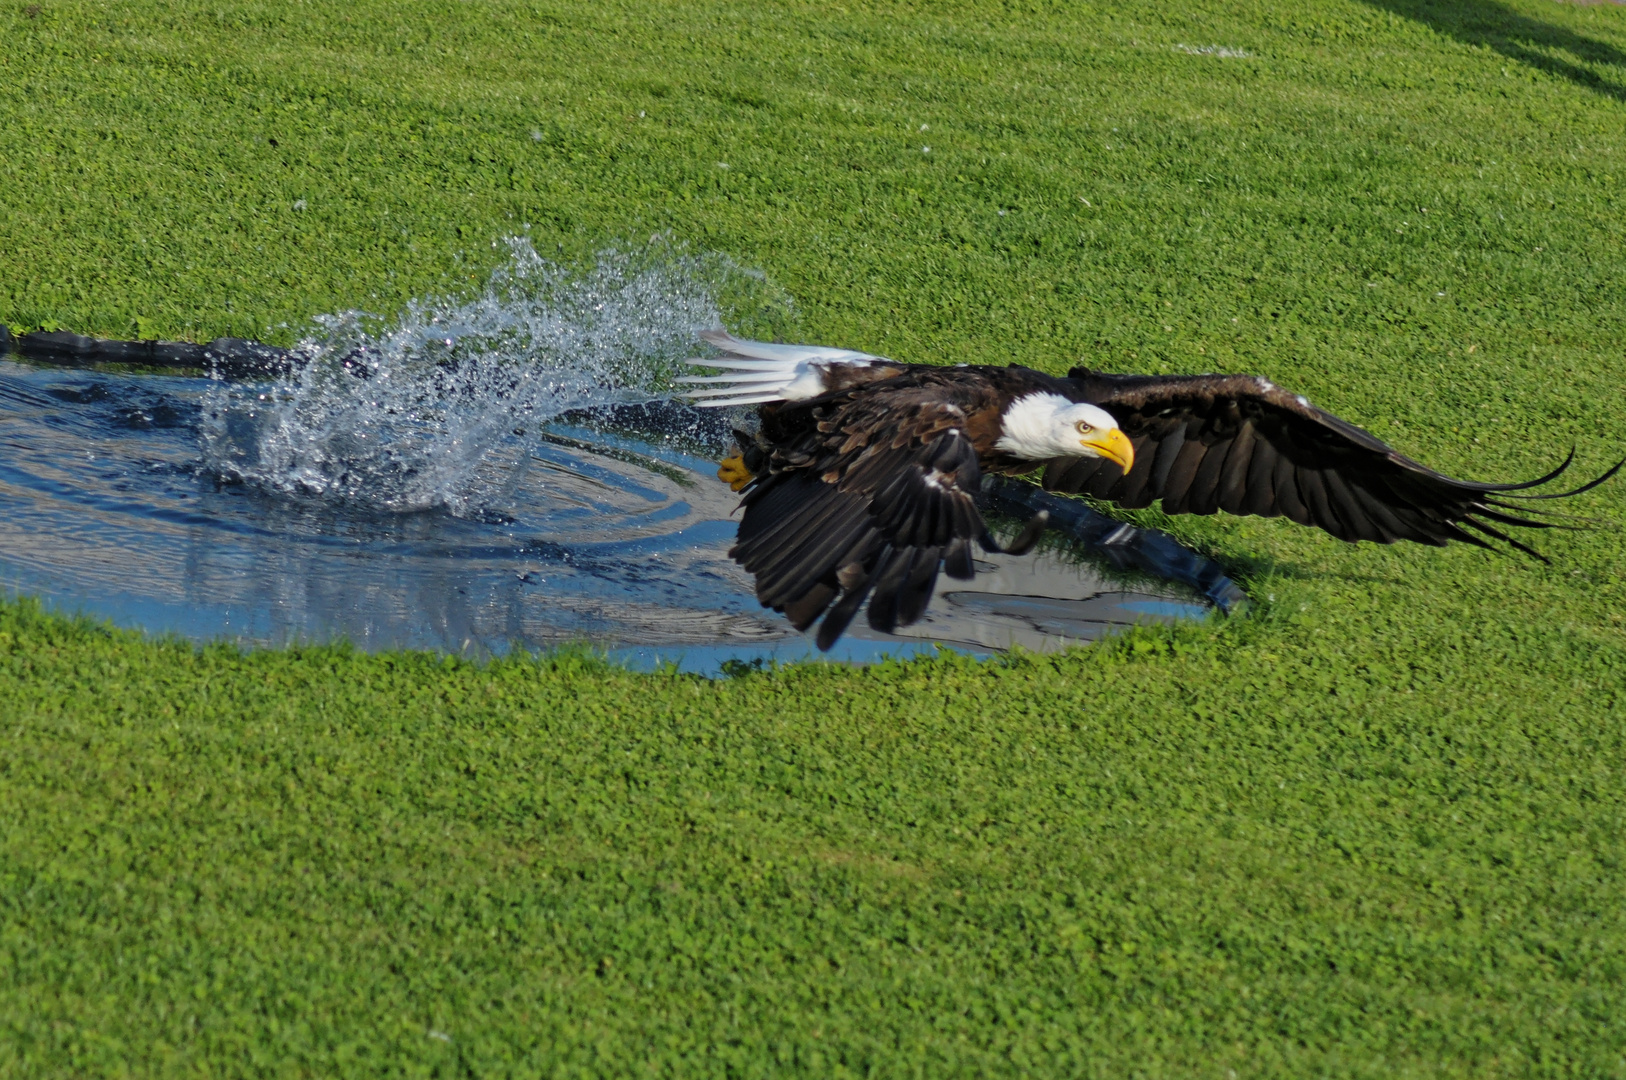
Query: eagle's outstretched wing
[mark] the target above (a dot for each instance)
(1243, 445)
(866, 493)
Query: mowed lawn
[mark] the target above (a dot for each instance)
(1376, 828)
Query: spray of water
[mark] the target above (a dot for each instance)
(439, 409)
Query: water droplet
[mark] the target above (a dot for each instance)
(419, 412)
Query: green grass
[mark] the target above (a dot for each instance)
(1376, 829)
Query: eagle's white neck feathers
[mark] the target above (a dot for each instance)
(1040, 426)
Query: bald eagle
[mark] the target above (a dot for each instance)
(862, 479)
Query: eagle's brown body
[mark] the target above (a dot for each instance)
(872, 408)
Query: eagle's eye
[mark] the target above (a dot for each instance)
(1083, 427)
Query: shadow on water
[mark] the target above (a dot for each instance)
(1553, 49)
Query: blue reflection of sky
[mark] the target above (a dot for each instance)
(1167, 608)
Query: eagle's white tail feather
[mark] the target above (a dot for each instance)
(748, 382)
(732, 391)
(747, 365)
(749, 399)
(758, 371)
(767, 377)
(765, 350)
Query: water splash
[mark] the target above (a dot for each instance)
(439, 409)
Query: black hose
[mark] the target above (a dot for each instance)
(228, 358)
(1127, 546)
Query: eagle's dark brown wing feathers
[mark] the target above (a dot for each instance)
(1240, 444)
(1506, 491)
(865, 495)
(810, 526)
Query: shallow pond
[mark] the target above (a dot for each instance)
(497, 471)
(118, 499)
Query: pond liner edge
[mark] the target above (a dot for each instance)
(228, 358)
(1126, 546)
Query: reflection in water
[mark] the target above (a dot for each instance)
(616, 533)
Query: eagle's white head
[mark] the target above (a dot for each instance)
(1041, 426)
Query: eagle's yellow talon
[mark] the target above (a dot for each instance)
(732, 471)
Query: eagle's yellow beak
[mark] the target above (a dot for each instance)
(1113, 445)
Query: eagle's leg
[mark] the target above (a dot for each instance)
(732, 471)
(749, 460)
